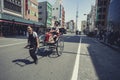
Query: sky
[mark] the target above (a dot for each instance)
(71, 7)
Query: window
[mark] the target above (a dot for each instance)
(40, 12)
(103, 16)
(28, 11)
(105, 2)
(54, 17)
(103, 23)
(99, 17)
(53, 8)
(40, 7)
(100, 10)
(104, 9)
(35, 14)
(40, 19)
(56, 8)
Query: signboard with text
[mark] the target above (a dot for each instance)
(13, 5)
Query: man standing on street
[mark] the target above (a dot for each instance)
(33, 43)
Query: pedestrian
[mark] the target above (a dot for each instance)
(33, 43)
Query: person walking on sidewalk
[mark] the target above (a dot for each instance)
(33, 43)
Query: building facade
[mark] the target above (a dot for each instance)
(45, 13)
(13, 7)
(101, 14)
(70, 26)
(114, 16)
(91, 17)
(83, 26)
(58, 13)
(31, 10)
(13, 21)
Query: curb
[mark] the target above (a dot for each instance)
(111, 46)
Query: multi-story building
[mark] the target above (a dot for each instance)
(91, 19)
(102, 13)
(114, 16)
(12, 7)
(13, 20)
(45, 13)
(83, 26)
(31, 10)
(9, 9)
(70, 25)
(58, 13)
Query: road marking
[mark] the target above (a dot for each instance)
(11, 44)
(76, 66)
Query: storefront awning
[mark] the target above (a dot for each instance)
(18, 20)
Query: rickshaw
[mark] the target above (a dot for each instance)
(57, 45)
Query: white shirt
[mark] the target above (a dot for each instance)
(34, 34)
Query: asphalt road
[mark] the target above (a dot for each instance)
(85, 60)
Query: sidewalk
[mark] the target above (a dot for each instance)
(17, 37)
(111, 46)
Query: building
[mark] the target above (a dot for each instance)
(31, 10)
(91, 17)
(83, 26)
(58, 13)
(13, 20)
(102, 13)
(45, 13)
(114, 16)
(70, 25)
(88, 23)
(8, 11)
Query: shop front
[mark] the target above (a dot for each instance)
(15, 26)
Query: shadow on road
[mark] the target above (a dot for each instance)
(106, 63)
(22, 62)
(72, 39)
(44, 52)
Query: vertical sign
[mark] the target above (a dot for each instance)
(26, 6)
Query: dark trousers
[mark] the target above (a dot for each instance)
(33, 54)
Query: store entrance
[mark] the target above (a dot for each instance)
(13, 30)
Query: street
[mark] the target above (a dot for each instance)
(83, 57)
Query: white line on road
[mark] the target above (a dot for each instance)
(76, 66)
(11, 44)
